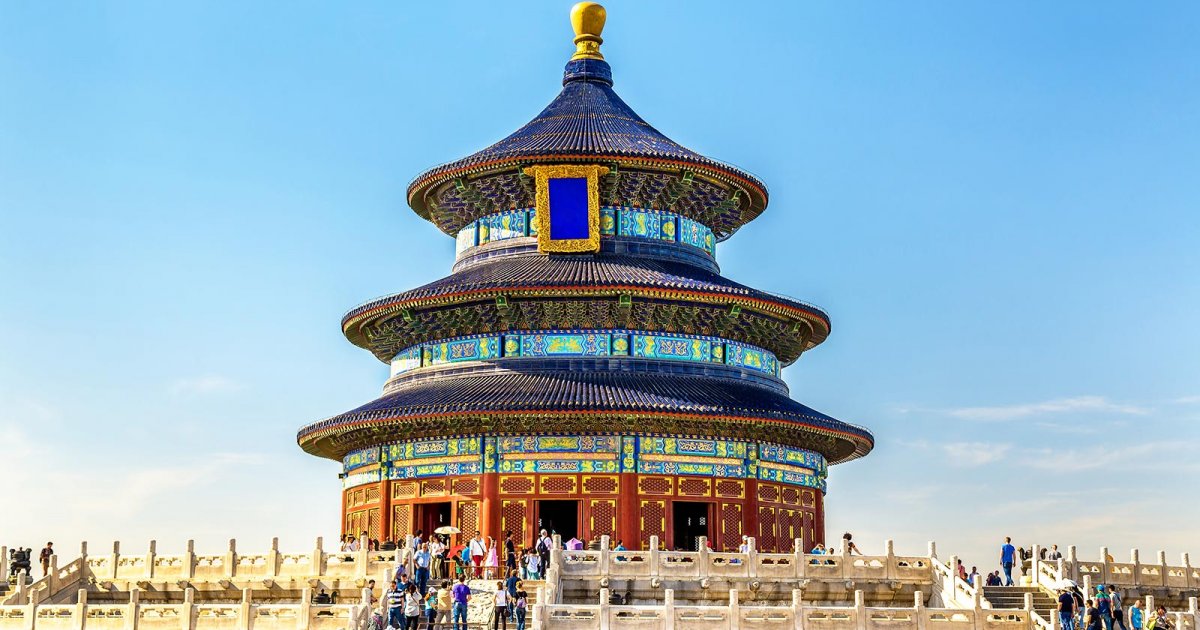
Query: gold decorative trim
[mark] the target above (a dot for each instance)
(542, 175)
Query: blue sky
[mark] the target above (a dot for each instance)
(995, 202)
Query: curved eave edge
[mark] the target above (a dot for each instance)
(308, 437)
(756, 190)
(380, 308)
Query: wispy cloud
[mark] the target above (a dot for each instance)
(202, 385)
(972, 454)
(1187, 400)
(1092, 404)
(1128, 458)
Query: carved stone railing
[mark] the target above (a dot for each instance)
(703, 564)
(1134, 573)
(737, 616)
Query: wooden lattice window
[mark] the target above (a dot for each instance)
(731, 488)
(468, 517)
(558, 485)
(433, 487)
(694, 487)
(791, 496)
(766, 530)
(654, 485)
(404, 489)
(768, 493)
(731, 525)
(653, 520)
(512, 519)
(401, 521)
(516, 485)
(604, 518)
(600, 485)
(466, 485)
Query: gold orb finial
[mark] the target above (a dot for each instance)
(587, 18)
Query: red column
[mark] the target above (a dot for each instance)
(819, 526)
(628, 511)
(750, 510)
(385, 509)
(489, 506)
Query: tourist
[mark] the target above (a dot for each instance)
(533, 562)
(412, 607)
(477, 551)
(1159, 619)
(962, 571)
(445, 604)
(436, 561)
(745, 546)
(544, 543)
(500, 611)
(44, 558)
(819, 550)
(1135, 615)
(620, 547)
(1066, 609)
(493, 559)
(418, 539)
(973, 577)
(1104, 606)
(1118, 610)
(431, 607)
(1091, 618)
(461, 595)
(1080, 606)
(510, 552)
(510, 585)
(395, 605)
(1007, 558)
(421, 561)
(1054, 555)
(520, 605)
(848, 546)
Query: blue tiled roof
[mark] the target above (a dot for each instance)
(584, 271)
(592, 391)
(588, 119)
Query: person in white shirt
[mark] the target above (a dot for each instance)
(500, 614)
(478, 550)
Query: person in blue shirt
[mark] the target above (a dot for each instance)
(1104, 606)
(1007, 555)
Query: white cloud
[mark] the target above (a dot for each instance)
(971, 454)
(1093, 404)
(201, 385)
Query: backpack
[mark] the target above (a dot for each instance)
(541, 546)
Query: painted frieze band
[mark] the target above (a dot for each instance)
(586, 343)
(614, 221)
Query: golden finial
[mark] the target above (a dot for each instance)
(587, 18)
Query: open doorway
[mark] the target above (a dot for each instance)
(690, 522)
(430, 516)
(559, 517)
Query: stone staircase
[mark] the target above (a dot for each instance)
(1014, 597)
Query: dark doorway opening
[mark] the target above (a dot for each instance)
(430, 516)
(559, 517)
(690, 522)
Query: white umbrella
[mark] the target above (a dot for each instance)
(447, 529)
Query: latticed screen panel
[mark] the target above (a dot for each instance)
(404, 489)
(808, 499)
(558, 485)
(731, 489)
(354, 498)
(767, 541)
(374, 524)
(791, 496)
(468, 517)
(731, 525)
(600, 485)
(467, 485)
(401, 521)
(516, 485)
(603, 518)
(768, 493)
(512, 519)
(372, 494)
(810, 534)
(694, 487)
(654, 521)
(654, 485)
(785, 527)
(433, 487)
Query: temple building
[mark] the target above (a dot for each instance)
(585, 368)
